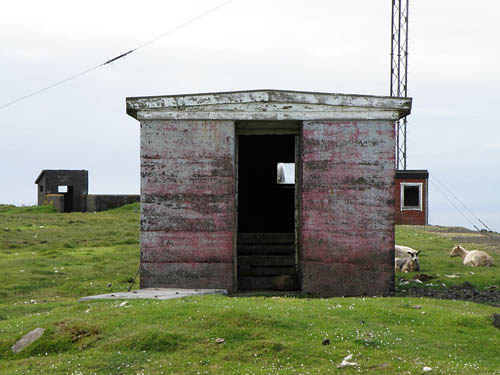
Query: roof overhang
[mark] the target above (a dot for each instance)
(268, 105)
(412, 173)
(40, 176)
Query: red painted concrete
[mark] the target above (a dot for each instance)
(346, 226)
(347, 213)
(187, 204)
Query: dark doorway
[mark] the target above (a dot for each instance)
(68, 199)
(266, 246)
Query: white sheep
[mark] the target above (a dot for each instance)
(473, 258)
(407, 252)
(406, 264)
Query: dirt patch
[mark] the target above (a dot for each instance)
(74, 332)
(464, 292)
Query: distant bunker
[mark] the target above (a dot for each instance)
(252, 189)
(67, 191)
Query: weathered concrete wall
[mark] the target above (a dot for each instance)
(101, 202)
(41, 190)
(187, 204)
(347, 211)
(56, 200)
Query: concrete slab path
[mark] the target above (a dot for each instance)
(155, 293)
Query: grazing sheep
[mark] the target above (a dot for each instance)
(407, 252)
(405, 264)
(473, 258)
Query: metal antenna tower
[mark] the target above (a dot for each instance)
(399, 71)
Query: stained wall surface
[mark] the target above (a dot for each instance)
(187, 204)
(345, 197)
(347, 213)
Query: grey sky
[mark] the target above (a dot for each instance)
(315, 45)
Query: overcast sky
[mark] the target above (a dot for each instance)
(314, 45)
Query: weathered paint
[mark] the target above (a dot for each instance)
(346, 229)
(266, 114)
(268, 105)
(187, 204)
(268, 96)
(347, 207)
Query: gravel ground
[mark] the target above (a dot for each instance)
(465, 292)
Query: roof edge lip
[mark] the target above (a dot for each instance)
(40, 175)
(57, 170)
(264, 91)
(412, 173)
(205, 102)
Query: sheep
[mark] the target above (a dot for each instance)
(407, 252)
(405, 264)
(473, 258)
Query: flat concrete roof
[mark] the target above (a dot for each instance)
(268, 105)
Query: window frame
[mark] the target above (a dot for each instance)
(420, 186)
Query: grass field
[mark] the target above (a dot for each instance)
(49, 260)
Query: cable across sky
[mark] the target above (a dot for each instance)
(190, 21)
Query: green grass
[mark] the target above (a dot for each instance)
(50, 260)
(436, 244)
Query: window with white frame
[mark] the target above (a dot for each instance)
(411, 196)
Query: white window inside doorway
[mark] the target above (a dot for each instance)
(285, 174)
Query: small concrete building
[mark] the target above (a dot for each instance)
(411, 195)
(240, 188)
(66, 189)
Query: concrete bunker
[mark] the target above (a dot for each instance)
(67, 191)
(215, 215)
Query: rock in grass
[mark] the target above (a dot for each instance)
(27, 339)
(496, 320)
(346, 362)
(423, 277)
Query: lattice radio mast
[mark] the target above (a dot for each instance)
(399, 71)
